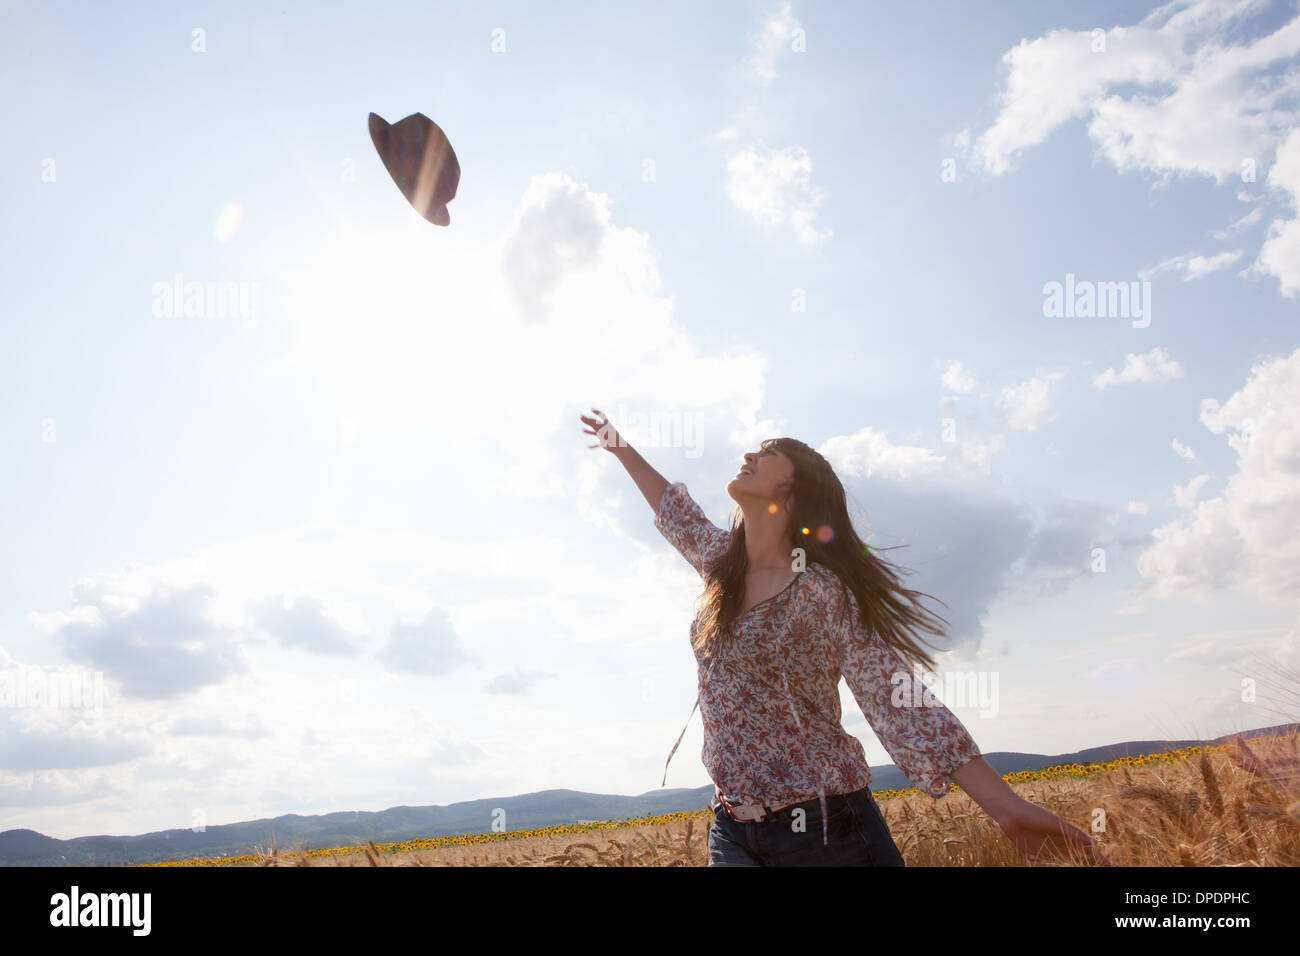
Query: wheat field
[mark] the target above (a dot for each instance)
(1235, 805)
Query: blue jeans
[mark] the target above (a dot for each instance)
(856, 835)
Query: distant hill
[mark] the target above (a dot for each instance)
(523, 812)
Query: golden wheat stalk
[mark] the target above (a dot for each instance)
(1212, 792)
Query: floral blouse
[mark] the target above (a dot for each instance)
(770, 699)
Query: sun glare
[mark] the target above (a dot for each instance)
(388, 321)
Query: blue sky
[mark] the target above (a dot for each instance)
(348, 548)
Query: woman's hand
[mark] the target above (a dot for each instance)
(607, 436)
(1041, 835)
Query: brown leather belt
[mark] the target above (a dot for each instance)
(748, 812)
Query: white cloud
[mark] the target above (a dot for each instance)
(1180, 47)
(1280, 253)
(1237, 225)
(560, 227)
(971, 445)
(1027, 402)
(1185, 495)
(1213, 97)
(1137, 507)
(957, 379)
(869, 453)
(772, 38)
(773, 186)
(1245, 537)
(75, 745)
(161, 645)
(1184, 451)
(1195, 266)
(1155, 366)
(978, 451)
(430, 647)
(963, 543)
(304, 622)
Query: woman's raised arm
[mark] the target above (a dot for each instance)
(651, 483)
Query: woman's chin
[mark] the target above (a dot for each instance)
(737, 488)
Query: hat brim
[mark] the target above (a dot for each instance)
(379, 128)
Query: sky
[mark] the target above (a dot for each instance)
(1026, 273)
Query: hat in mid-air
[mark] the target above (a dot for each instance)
(418, 156)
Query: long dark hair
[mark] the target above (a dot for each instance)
(819, 511)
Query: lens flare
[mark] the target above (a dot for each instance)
(825, 534)
(228, 221)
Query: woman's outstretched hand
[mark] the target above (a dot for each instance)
(607, 437)
(1041, 835)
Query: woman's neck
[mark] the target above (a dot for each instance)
(767, 544)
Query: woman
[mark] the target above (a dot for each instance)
(794, 599)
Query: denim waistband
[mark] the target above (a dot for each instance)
(772, 814)
(786, 808)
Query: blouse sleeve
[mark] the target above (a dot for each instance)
(926, 740)
(681, 521)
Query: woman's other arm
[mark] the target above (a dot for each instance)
(1038, 833)
(927, 741)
